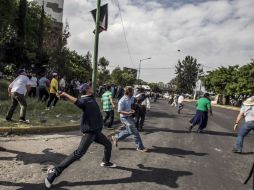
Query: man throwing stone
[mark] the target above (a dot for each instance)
(90, 125)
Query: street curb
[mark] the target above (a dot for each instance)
(226, 107)
(37, 130)
(41, 130)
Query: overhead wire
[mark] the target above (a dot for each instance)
(126, 41)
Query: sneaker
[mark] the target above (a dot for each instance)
(24, 121)
(47, 109)
(200, 131)
(235, 150)
(143, 150)
(114, 140)
(108, 165)
(9, 120)
(51, 175)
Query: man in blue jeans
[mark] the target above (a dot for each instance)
(126, 116)
(91, 124)
(247, 112)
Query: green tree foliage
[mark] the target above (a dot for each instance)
(233, 81)
(187, 72)
(104, 73)
(155, 87)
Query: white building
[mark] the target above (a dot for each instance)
(53, 8)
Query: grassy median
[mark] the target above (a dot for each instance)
(64, 114)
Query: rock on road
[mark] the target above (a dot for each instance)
(177, 159)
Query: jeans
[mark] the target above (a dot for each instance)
(180, 107)
(109, 115)
(140, 117)
(43, 92)
(51, 98)
(17, 99)
(32, 92)
(86, 141)
(130, 129)
(245, 129)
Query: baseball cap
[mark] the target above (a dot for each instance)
(54, 74)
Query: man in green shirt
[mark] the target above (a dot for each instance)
(203, 106)
(108, 106)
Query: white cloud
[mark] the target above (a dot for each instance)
(215, 32)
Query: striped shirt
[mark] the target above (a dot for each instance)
(106, 104)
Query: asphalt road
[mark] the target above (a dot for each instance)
(177, 159)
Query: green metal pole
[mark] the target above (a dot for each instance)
(96, 45)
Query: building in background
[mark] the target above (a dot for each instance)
(54, 9)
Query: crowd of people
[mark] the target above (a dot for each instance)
(132, 105)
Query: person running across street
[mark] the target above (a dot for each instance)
(126, 116)
(108, 106)
(17, 91)
(246, 112)
(91, 125)
(143, 103)
(180, 103)
(53, 90)
(203, 106)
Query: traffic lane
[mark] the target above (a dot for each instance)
(220, 168)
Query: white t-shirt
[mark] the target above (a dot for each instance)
(33, 82)
(180, 99)
(248, 113)
(19, 84)
(62, 83)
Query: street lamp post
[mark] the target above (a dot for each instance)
(140, 66)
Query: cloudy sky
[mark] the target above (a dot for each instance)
(215, 32)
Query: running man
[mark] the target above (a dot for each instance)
(246, 112)
(126, 116)
(91, 124)
(203, 106)
(108, 106)
(180, 103)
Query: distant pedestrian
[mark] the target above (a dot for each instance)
(62, 84)
(119, 92)
(72, 86)
(53, 90)
(108, 106)
(246, 112)
(91, 125)
(143, 104)
(43, 88)
(126, 116)
(203, 106)
(180, 103)
(34, 84)
(17, 91)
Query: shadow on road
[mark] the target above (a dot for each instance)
(216, 133)
(160, 115)
(28, 158)
(170, 151)
(160, 176)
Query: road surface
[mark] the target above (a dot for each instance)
(177, 159)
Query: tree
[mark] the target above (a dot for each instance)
(155, 87)
(187, 73)
(116, 76)
(103, 74)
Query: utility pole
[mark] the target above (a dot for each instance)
(96, 44)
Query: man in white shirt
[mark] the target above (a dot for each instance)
(17, 90)
(246, 113)
(62, 84)
(34, 83)
(142, 105)
(180, 103)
